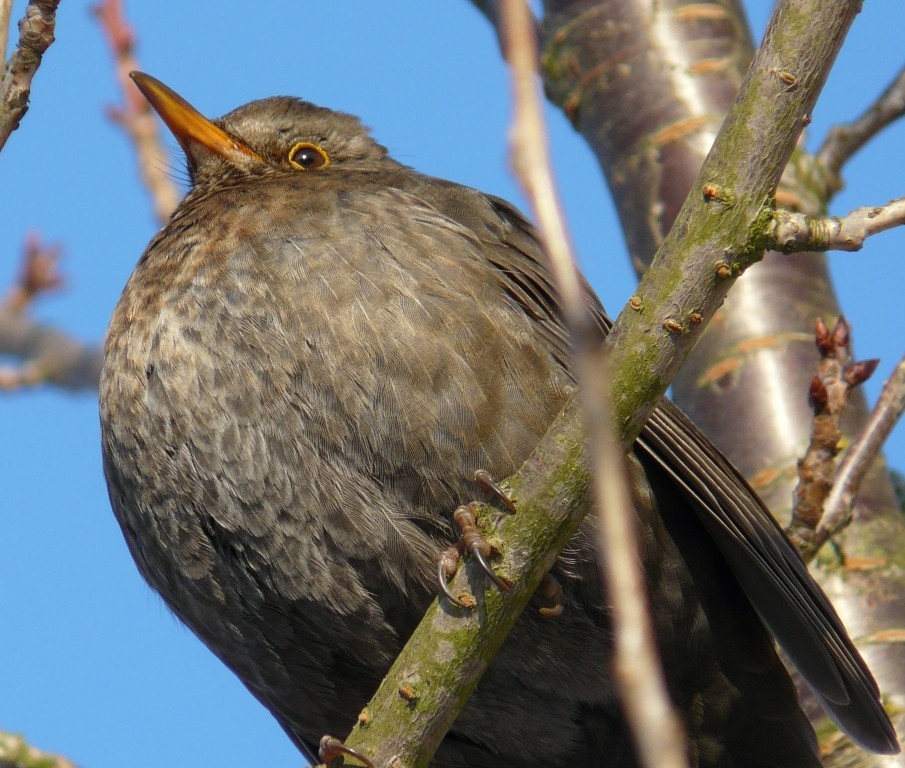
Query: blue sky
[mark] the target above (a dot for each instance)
(91, 663)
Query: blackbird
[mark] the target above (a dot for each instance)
(307, 367)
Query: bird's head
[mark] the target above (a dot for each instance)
(280, 134)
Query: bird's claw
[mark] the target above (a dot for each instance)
(446, 569)
(475, 543)
(330, 748)
(472, 541)
(487, 484)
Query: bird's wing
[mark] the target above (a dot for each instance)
(769, 569)
(763, 560)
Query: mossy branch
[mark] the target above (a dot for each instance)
(719, 232)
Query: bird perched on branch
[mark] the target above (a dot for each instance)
(306, 369)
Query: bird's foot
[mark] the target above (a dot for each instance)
(471, 541)
(331, 748)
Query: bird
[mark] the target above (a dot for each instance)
(307, 367)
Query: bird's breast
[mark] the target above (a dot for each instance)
(329, 387)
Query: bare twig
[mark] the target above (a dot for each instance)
(655, 726)
(858, 459)
(39, 273)
(50, 356)
(828, 393)
(6, 9)
(843, 141)
(35, 36)
(136, 117)
(47, 354)
(531, 161)
(837, 375)
(795, 232)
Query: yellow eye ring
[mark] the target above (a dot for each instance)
(308, 157)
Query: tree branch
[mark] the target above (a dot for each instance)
(6, 9)
(792, 232)
(843, 141)
(493, 12)
(137, 118)
(49, 355)
(836, 377)
(837, 510)
(35, 36)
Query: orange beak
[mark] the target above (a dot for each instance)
(191, 129)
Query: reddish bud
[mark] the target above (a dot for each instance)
(841, 333)
(822, 337)
(858, 373)
(818, 395)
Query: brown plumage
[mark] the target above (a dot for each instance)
(309, 363)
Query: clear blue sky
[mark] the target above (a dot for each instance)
(91, 663)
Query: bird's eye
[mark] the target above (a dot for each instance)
(308, 157)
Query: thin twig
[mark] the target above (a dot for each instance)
(47, 355)
(35, 36)
(858, 459)
(844, 140)
(828, 395)
(796, 233)
(837, 375)
(6, 10)
(655, 726)
(531, 160)
(136, 117)
(39, 273)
